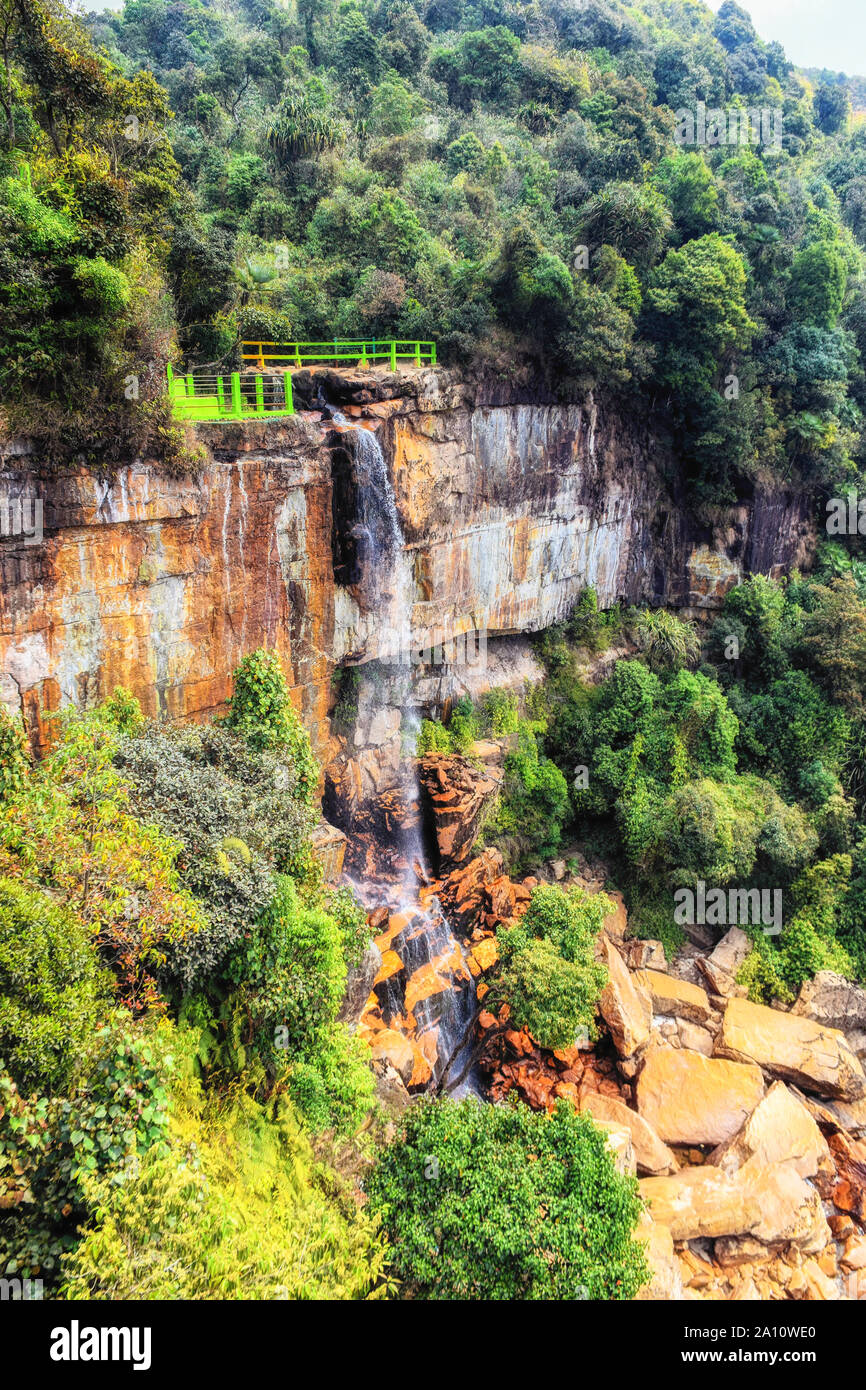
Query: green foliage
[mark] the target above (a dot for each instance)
(73, 831)
(238, 1209)
(548, 972)
(667, 642)
(52, 1146)
(433, 738)
(88, 184)
(818, 278)
(240, 814)
(495, 1202)
(52, 993)
(14, 760)
(533, 803)
(261, 711)
(501, 715)
(290, 976)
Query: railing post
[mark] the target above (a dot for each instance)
(287, 387)
(260, 395)
(417, 354)
(221, 396)
(190, 384)
(170, 377)
(432, 354)
(261, 357)
(236, 395)
(393, 355)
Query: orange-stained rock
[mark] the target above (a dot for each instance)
(652, 1155)
(665, 1278)
(393, 1047)
(701, 1202)
(624, 1006)
(162, 584)
(692, 1099)
(779, 1130)
(792, 1049)
(673, 996)
(457, 792)
(485, 953)
(616, 922)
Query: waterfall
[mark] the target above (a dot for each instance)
(426, 944)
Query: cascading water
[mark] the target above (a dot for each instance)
(423, 939)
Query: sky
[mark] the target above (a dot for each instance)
(814, 33)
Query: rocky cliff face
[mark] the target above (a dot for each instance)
(508, 510)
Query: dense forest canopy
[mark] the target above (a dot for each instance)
(505, 178)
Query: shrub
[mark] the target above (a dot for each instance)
(501, 1202)
(261, 711)
(433, 738)
(73, 831)
(548, 971)
(290, 974)
(237, 1210)
(53, 995)
(667, 642)
(51, 1146)
(239, 813)
(14, 761)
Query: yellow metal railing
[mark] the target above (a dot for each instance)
(361, 351)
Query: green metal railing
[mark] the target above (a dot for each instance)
(361, 351)
(233, 396)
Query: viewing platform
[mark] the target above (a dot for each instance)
(264, 389)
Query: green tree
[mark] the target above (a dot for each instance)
(818, 279)
(500, 1202)
(260, 710)
(548, 972)
(53, 995)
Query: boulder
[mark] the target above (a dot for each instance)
(773, 1205)
(624, 1006)
(779, 1130)
(692, 1099)
(666, 1284)
(477, 896)
(702, 1202)
(328, 846)
(652, 1156)
(457, 792)
(848, 1192)
(675, 997)
(790, 1209)
(616, 922)
(791, 1048)
(720, 967)
(620, 1146)
(694, 1037)
(390, 1046)
(854, 1253)
(391, 1089)
(644, 955)
(832, 1001)
(483, 955)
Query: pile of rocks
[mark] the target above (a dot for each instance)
(744, 1124)
(760, 1107)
